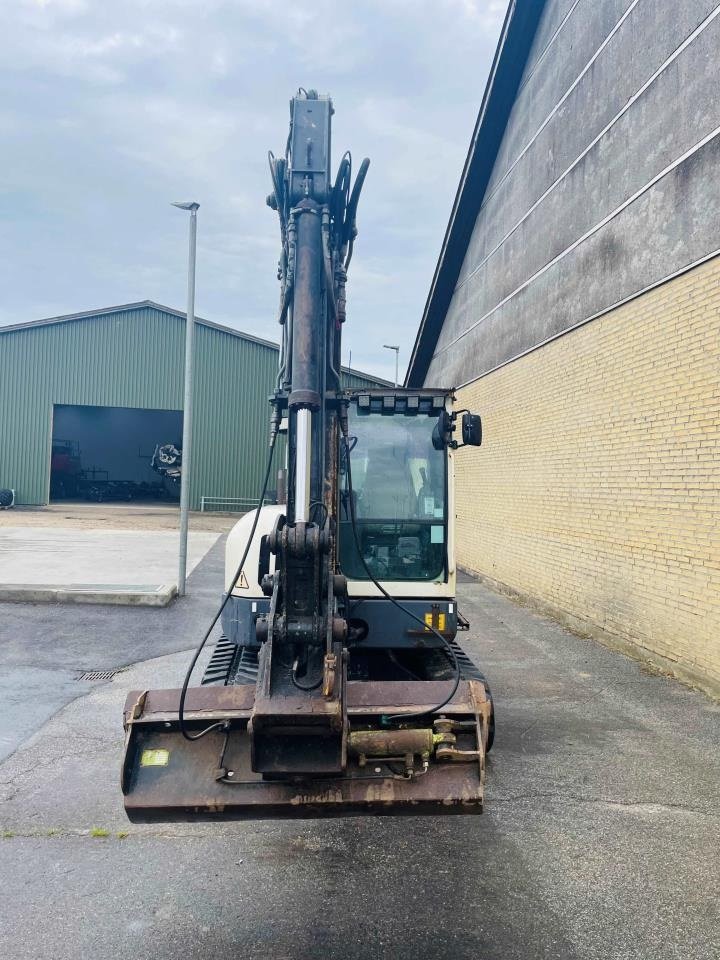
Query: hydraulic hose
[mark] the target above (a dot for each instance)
(350, 229)
(226, 597)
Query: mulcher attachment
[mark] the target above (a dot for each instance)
(427, 765)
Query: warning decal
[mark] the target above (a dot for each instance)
(241, 582)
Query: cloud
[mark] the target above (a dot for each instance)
(114, 110)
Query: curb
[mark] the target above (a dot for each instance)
(133, 595)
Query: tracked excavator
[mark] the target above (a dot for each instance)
(338, 686)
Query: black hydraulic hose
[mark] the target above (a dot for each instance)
(327, 261)
(276, 175)
(399, 718)
(341, 192)
(349, 230)
(228, 593)
(301, 686)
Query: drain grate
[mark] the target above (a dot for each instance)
(98, 675)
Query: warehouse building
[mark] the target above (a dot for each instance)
(576, 305)
(86, 399)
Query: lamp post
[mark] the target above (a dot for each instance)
(187, 399)
(389, 346)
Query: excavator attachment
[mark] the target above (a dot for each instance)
(426, 765)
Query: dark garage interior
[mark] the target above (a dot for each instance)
(105, 454)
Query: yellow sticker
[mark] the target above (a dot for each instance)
(154, 758)
(241, 582)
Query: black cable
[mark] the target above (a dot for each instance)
(318, 503)
(454, 660)
(349, 227)
(341, 193)
(277, 181)
(302, 686)
(186, 682)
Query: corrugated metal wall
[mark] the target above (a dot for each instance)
(605, 183)
(134, 358)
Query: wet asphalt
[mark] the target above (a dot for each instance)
(601, 836)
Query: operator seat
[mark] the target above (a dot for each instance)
(388, 492)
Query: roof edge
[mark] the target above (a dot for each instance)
(516, 39)
(137, 305)
(181, 314)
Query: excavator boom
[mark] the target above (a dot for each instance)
(327, 695)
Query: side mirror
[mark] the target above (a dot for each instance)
(471, 430)
(442, 435)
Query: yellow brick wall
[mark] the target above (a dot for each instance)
(597, 489)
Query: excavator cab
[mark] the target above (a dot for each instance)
(400, 487)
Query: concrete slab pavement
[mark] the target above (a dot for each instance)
(600, 840)
(67, 565)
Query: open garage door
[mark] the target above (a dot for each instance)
(105, 454)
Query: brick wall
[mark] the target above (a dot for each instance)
(597, 489)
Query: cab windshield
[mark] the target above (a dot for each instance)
(399, 487)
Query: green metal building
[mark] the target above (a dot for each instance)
(113, 378)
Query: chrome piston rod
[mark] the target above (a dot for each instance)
(303, 444)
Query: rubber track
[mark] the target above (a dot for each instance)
(468, 670)
(229, 659)
(244, 667)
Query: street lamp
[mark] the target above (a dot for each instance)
(187, 400)
(389, 346)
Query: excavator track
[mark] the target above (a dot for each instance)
(231, 664)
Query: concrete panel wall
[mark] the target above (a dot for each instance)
(596, 492)
(603, 185)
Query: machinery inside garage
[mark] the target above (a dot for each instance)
(115, 454)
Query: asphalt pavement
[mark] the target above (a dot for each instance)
(45, 647)
(600, 838)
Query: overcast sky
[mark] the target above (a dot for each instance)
(110, 110)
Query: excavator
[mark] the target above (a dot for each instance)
(338, 686)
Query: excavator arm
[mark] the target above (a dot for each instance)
(324, 730)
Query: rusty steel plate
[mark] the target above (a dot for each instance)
(168, 778)
(206, 704)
